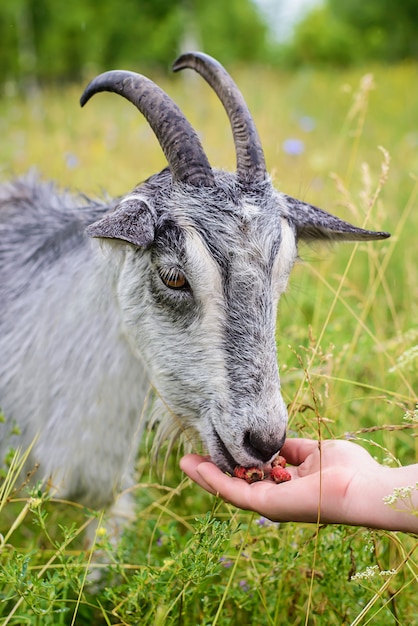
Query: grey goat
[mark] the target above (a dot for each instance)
(173, 287)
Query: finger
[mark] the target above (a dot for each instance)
(235, 490)
(189, 464)
(297, 450)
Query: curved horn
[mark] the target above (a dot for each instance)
(180, 143)
(251, 166)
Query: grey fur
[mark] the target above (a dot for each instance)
(88, 325)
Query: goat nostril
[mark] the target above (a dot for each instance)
(262, 447)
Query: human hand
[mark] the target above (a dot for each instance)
(336, 482)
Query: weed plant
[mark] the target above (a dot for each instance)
(347, 343)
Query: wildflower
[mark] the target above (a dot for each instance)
(264, 522)
(399, 493)
(411, 416)
(366, 574)
(294, 147)
(34, 503)
(371, 571)
(71, 160)
(408, 360)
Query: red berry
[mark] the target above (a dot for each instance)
(279, 474)
(250, 474)
(239, 471)
(279, 461)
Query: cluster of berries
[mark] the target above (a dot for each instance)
(275, 471)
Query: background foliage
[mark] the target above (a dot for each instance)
(45, 41)
(344, 33)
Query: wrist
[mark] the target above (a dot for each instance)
(387, 499)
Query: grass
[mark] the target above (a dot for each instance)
(347, 332)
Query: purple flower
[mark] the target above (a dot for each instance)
(225, 562)
(293, 146)
(244, 585)
(263, 521)
(71, 160)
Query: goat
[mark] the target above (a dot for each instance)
(174, 285)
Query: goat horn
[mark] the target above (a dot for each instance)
(251, 166)
(178, 140)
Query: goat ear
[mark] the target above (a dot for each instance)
(314, 224)
(131, 221)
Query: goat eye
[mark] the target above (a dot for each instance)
(173, 278)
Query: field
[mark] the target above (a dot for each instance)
(347, 340)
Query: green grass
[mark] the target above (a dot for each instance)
(347, 330)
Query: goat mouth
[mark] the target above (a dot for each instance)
(228, 461)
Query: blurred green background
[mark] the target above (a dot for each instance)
(44, 41)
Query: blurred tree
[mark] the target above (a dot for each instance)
(45, 40)
(321, 38)
(389, 29)
(232, 30)
(342, 33)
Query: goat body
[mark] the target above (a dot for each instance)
(173, 287)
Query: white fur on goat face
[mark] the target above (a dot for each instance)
(211, 349)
